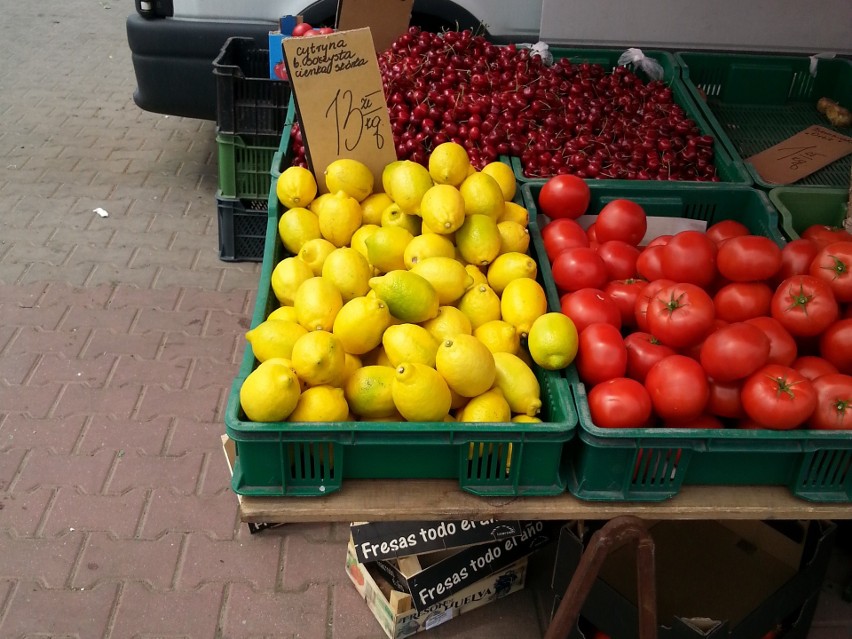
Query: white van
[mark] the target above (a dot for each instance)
(174, 42)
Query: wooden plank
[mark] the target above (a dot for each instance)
(381, 500)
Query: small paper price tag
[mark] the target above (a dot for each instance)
(800, 155)
(338, 91)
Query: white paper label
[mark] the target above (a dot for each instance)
(440, 618)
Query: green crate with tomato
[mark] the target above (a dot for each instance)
(716, 369)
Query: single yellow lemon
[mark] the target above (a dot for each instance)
(339, 218)
(519, 384)
(425, 246)
(446, 275)
(410, 297)
(499, 336)
(296, 186)
(387, 172)
(526, 419)
(482, 196)
(449, 163)
(393, 216)
(508, 267)
(466, 364)
(317, 203)
(449, 322)
(409, 343)
(319, 358)
(505, 178)
(321, 404)
(419, 393)
(314, 252)
(442, 209)
(274, 338)
(284, 313)
(481, 304)
(317, 303)
(360, 324)
(349, 271)
(373, 206)
(297, 226)
(491, 406)
(514, 238)
(270, 392)
(408, 182)
(386, 247)
(287, 277)
(478, 240)
(523, 301)
(513, 212)
(350, 176)
(368, 392)
(552, 341)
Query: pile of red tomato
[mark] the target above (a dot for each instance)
(713, 329)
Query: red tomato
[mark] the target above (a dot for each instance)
(660, 240)
(564, 196)
(689, 257)
(619, 258)
(325, 30)
(778, 397)
(592, 235)
(748, 258)
(824, 235)
(734, 352)
(739, 301)
(804, 305)
(311, 33)
(796, 258)
(649, 264)
(704, 420)
(782, 346)
(624, 294)
(619, 403)
(562, 234)
(280, 70)
(721, 231)
(812, 366)
(643, 351)
(834, 403)
(590, 306)
(621, 220)
(678, 388)
(833, 264)
(300, 29)
(835, 345)
(680, 315)
(579, 267)
(640, 311)
(725, 399)
(601, 354)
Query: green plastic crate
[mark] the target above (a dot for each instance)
(651, 464)
(729, 169)
(244, 165)
(803, 206)
(312, 459)
(281, 159)
(756, 101)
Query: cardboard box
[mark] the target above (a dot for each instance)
(388, 539)
(433, 576)
(395, 613)
(715, 579)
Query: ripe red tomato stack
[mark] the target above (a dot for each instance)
(714, 329)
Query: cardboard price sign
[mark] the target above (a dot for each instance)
(800, 155)
(338, 91)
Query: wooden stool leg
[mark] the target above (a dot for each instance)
(613, 534)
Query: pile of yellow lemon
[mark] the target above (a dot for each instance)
(415, 302)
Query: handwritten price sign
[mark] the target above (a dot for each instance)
(800, 155)
(339, 97)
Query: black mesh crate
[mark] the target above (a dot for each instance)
(242, 229)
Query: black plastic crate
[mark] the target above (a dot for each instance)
(248, 101)
(242, 229)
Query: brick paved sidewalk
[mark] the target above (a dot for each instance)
(119, 338)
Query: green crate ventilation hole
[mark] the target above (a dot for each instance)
(312, 464)
(826, 469)
(250, 230)
(659, 467)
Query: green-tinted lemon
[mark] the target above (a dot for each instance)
(420, 394)
(287, 276)
(317, 303)
(409, 343)
(350, 176)
(490, 407)
(368, 392)
(499, 336)
(297, 226)
(508, 267)
(518, 383)
(466, 364)
(360, 324)
(523, 301)
(425, 246)
(321, 404)
(359, 239)
(442, 209)
(449, 322)
(319, 358)
(482, 196)
(478, 240)
(270, 392)
(410, 297)
(446, 275)
(349, 271)
(386, 247)
(552, 341)
(339, 218)
(449, 163)
(274, 338)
